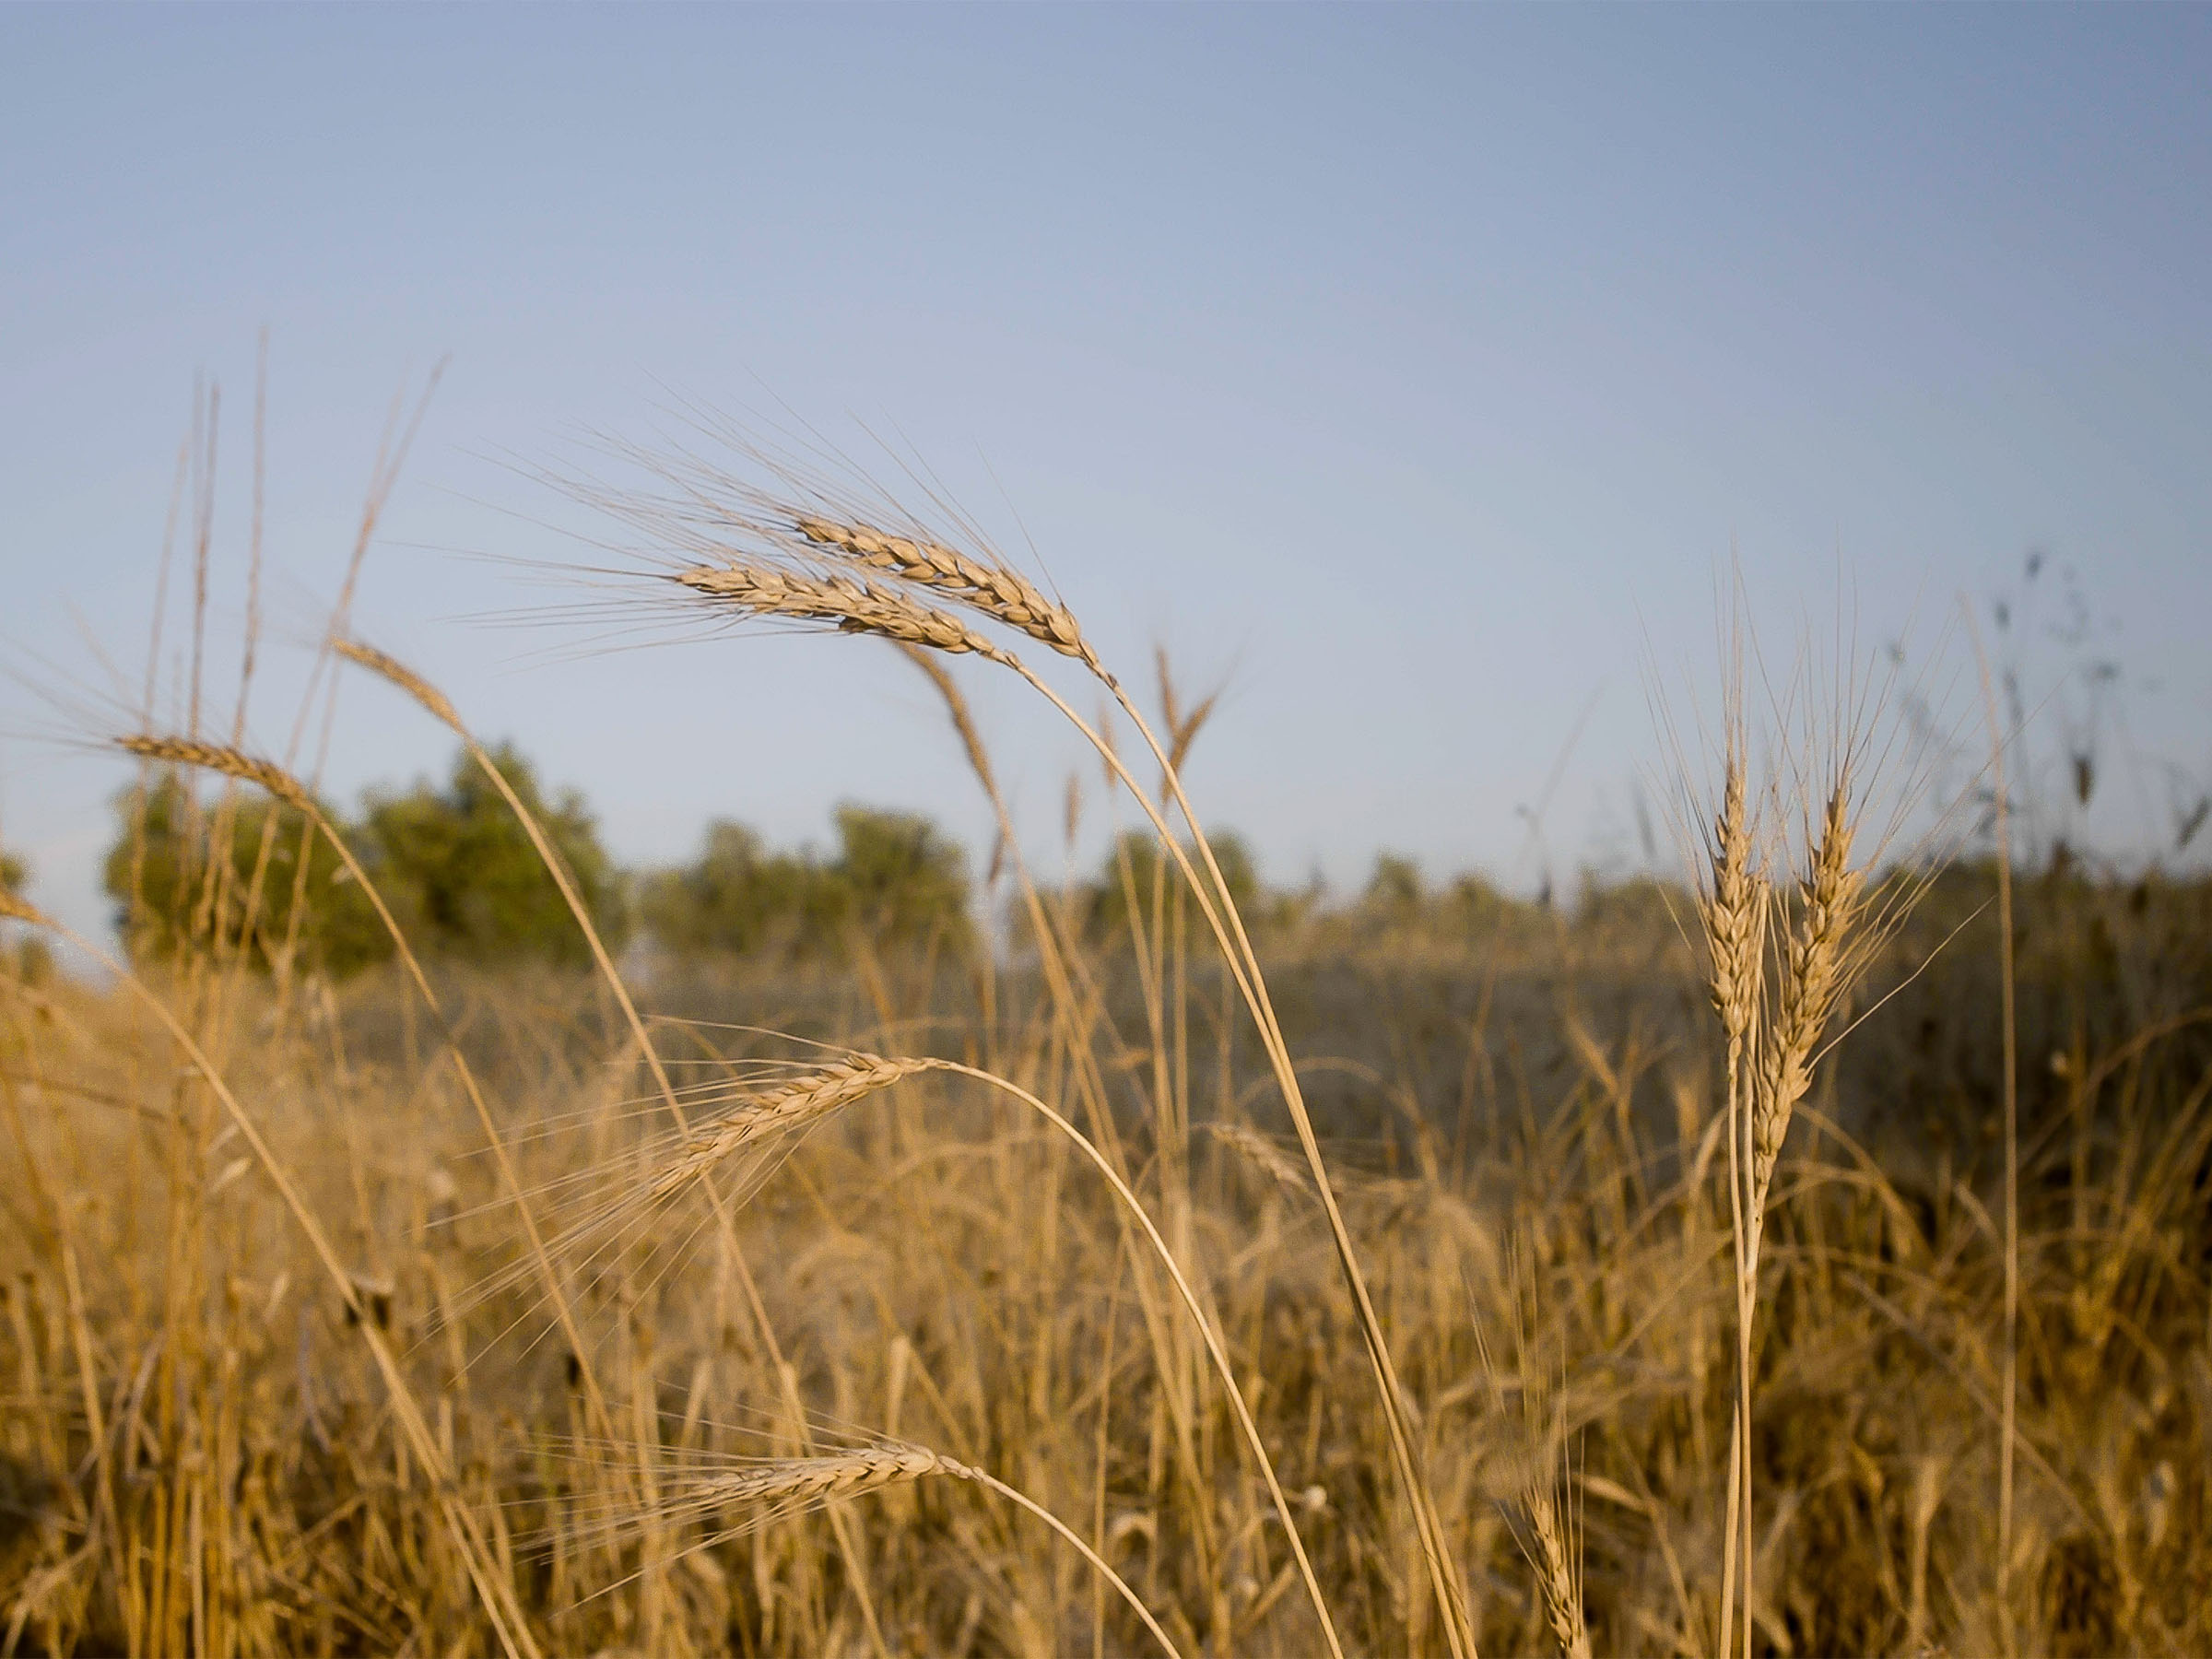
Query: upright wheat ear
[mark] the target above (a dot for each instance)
(1734, 913)
(1814, 979)
(1562, 1599)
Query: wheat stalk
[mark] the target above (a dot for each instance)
(18, 908)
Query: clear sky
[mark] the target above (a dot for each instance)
(1413, 371)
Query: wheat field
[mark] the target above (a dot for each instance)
(1809, 1257)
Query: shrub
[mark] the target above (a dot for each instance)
(464, 880)
(170, 894)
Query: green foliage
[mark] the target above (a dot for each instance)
(737, 898)
(1134, 870)
(1641, 906)
(169, 890)
(459, 873)
(895, 880)
(1394, 891)
(32, 960)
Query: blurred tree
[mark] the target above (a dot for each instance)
(464, 881)
(738, 898)
(1394, 891)
(1472, 902)
(1130, 870)
(895, 879)
(32, 959)
(171, 888)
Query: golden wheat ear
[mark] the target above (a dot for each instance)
(996, 590)
(1817, 970)
(389, 667)
(844, 602)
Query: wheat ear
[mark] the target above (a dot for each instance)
(220, 757)
(1735, 912)
(999, 592)
(1562, 1600)
(1815, 977)
(1264, 1155)
(802, 1101)
(847, 603)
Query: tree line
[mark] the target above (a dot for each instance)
(191, 865)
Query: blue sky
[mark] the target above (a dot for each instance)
(1414, 371)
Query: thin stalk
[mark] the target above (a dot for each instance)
(1190, 1301)
(1243, 964)
(1090, 1554)
(2009, 1426)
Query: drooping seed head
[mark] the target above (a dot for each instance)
(391, 668)
(997, 590)
(801, 1101)
(220, 757)
(1264, 1155)
(809, 1481)
(846, 603)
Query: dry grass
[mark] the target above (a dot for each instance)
(1023, 1308)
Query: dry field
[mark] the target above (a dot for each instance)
(1596, 1282)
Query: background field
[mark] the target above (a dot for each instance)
(1520, 1102)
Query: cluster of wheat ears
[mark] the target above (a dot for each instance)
(1790, 921)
